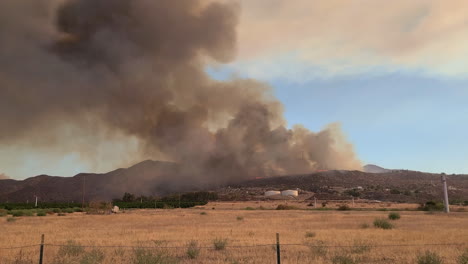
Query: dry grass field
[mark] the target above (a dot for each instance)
(306, 236)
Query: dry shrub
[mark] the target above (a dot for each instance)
(95, 256)
(463, 258)
(343, 259)
(193, 250)
(394, 216)
(96, 207)
(429, 258)
(382, 223)
(146, 256)
(286, 207)
(220, 243)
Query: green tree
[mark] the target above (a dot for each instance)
(128, 197)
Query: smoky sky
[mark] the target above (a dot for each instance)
(137, 68)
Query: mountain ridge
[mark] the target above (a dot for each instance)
(156, 178)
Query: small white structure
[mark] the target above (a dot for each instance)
(293, 193)
(115, 209)
(271, 193)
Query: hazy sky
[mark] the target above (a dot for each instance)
(393, 73)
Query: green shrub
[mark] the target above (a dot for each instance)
(240, 218)
(353, 192)
(220, 243)
(203, 213)
(393, 216)
(310, 234)
(193, 250)
(17, 213)
(56, 210)
(285, 207)
(382, 223)
(343, 259)
(3, 212)
(429, 258)
(344, 207)
(77, 209)
(71, 249)
(28, 212)
(69, 210)
(432, 206)
(463, 258)
(249, 208)
(95, 256)
(41, 213)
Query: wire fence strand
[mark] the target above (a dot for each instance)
(243, 246)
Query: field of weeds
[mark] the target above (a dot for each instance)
(238, 236)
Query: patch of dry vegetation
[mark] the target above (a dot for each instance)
(194, 235)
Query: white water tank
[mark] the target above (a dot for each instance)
(294, 193)
(271, 193)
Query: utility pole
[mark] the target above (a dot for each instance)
(446, 201)
(36, 201)
(84, 182)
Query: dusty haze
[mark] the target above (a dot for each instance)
(75, 73)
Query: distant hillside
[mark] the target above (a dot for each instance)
(147, 178)
(162, 178)
(374, 169)
(397, 186)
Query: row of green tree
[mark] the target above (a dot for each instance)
(41, 205)
(184, 200)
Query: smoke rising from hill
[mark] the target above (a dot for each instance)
(136, 67)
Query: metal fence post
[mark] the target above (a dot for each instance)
(41, 252)
(278, 257)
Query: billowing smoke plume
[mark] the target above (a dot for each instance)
(136, 67)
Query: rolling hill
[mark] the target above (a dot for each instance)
(162, 178)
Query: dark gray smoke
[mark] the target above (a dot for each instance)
(136, 67)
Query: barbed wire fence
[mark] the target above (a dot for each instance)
(312, 252)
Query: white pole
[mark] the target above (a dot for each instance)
(36, 201)
(315, 202)
(446, 201)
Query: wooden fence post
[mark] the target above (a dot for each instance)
(41, 252)
(278, 254)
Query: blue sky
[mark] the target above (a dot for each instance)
(398, 119)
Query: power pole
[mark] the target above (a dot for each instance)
(446, 201)
(36, 201)
(83, 195)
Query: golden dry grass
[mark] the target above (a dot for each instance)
(175, 228)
